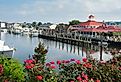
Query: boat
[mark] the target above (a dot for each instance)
(17, 31)
(26, 31)
(5, 50)
(4, 30)
(34, 33)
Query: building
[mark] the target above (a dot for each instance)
(3, 24)
(94, 29)
(90, 23)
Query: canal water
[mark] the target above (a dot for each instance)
(25, 45)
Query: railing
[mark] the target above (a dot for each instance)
(79, 37)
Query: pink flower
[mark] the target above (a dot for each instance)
(63, 61)
(78, 62)
(119, 68)
(39, 77)
(52, 66)
(67, 61)
(58, 62)
(86, 77)
(92, 79)
(52, 62)
(1, 69)
(102, 62)
(6, 80)
(97, 81)
(87, 65)
(72, 59)
(47, 64)
(29, 61)
(28, 67)
(79, 78)
(84, 59)
(83, 74)
(72, 81)
(92, 51)
(32, 65)
(84, 81)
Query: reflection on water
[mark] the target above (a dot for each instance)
(56, 50)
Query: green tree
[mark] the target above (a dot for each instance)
(74, 22)
(39, 23)
(40, 53)
(34, 24)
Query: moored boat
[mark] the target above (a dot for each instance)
(5, 50)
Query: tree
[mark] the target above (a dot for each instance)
(40, 53)
(23, 25)
(39, 23)
(74, 22)
(34, 24)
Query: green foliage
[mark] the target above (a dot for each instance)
(116, 33)
(13, 71)
(39, 23)
(74, 22)
(34, 24)
(40, 53)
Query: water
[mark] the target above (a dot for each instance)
(56, 50)
(25, 46)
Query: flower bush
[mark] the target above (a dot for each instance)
(87, 70)
(11, 70)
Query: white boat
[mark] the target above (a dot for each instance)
(26, 31)
(34, 33)
(6, 50)
(17, 31)
(4, 30)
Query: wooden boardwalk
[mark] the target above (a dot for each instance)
(77, 40)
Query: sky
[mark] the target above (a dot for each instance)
(59, 11)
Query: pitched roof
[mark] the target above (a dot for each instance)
(90, 23)
(102, 29)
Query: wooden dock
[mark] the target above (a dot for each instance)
(70, 39)
(77, 40)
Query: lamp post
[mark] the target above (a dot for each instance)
(82, 48)
(101, 47)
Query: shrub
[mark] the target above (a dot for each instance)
(11, 70)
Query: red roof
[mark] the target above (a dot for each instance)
(90, 23)
(102, 29)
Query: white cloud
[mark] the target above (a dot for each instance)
(65, 10)
(102, 6)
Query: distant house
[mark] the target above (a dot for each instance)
(113, 23)
(3, 24)
(61, 28)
